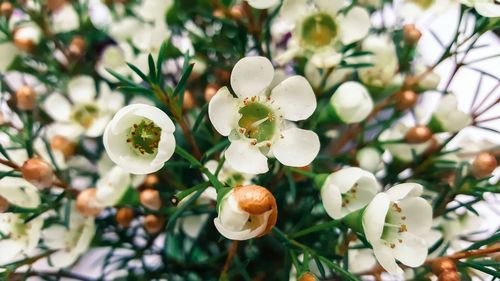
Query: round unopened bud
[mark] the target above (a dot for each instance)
(6, 9)
(218, 13)
(484, 164)
(77, 46)
(64, 145)
(405, 100)
(236, 11)
(418, 134)
(223, 76)
(26, 98)
(86, 203)
(150, 198)
(4, 204)
(37, 172)
(53, 5)
(124, 216)
(24, 40)
(188, 101)
(450, 275)
(307, 277)
(411, 34)
(153, 224)
(151, 180)
(210, 91)
(442, 265)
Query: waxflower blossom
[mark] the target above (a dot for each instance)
(351, 103)
(393, 224)
(19, 192)
(140, 138)
(448, 118)
(112, 186)
(320, 30)
(18, 238)
(348, 190)
(262, 4)
(246, 212)
(370, 159)
(486, 8)
(256, 121)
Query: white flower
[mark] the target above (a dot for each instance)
(140, 138)
(112, 186)
(18, 238)
(19, 192)
(429, 81)
(99, 13)
(228, 175)
(421, 10)
(28, 32)
(153, 10)
(192, 225)
(262, 4)
(486, 8)
(361, 260)
(8, 53)
(315, 76)
(64, 19)
(69, 242)
(448, 118)
(348, 190)
(255, 121)
(402, 151)
(82, 113)
(246, 212)
(351, 103)
(370, 159)
(320, 30)
(394, 222)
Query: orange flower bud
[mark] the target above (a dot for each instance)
(125, 216)
(484, 164)
(26, 98)
(257, 200)
(153, 223)
(150, 198)
(418, 134)
(442, 265)
(6, 9)
(86, 203)
(411, 34)
(37, 172)
(64, 145)
(405, 100)
(188, 102)
(210, 91)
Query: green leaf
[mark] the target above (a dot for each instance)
(121, 78)
(139, 72)
(200, 117)
(152, 69)
(135, 89)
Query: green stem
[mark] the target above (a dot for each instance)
(315, 228)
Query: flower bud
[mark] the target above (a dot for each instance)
(188, 101)
(405, 100)
(64, 145)
(6, 9)
(77, 46)
(53, 5)
(307, 277)
(150, 198)
(86, 203)
(37, 172)
(4, 204)
(223, 76)
(450, 275)
(351, 103)
(27, 36)
(218, 13)
(442, 265)
(484, 164)
(124, 216)
(210, 91)
(411, 34)
(418, 134)
(153, 223)
(151, 180)
(26, 98)
(236, 11)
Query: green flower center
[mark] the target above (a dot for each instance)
(257, 122)
(144, 137)
(318, 30)
(85, 114)
(236, 179)
(424, 4)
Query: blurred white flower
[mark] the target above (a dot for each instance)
(140, 138)
(320, 30)
(361, 260)
(370, 159)
(256, 121)
(348, 190)
(19, 239)
(448, 118)
(69, 242)
(351, 103)
(394, 222)
(402, 151)
(246, 212)
(64, 19)
(8, 53)
(112, 186)
(193, 224)
(486, 8)
(228, 175)
(83, 113)
(262, 4)
(19, 192)
(429, 81)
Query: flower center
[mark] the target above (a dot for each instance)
(84, 114)
(424, 4)
(236, 179)
(257, 121)
(144, 137)
(350, 195)
(318, 31)
(394, 225)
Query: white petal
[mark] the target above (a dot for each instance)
(386, 259)
(251, 76)
(11, 249)
(262, 4)
(374, 217)
(293, 10)
(488, 9)
(352, 102)
(326, 59)
(112, 186)
(71, 131)
(238, 235)
(412, 251)
(86, 236)
(246, 158)
(231, 216)
(192, 225)
(57, 107)
(7, 54)
(296, 147)
(418, 214)
(369, 159)
(355, 25)
(329, 6)
(332, 200)
(54, 237)
(81, 89)
(63, 258)
(404, 190)
(97, 127)
(223, 111)
(346, 178)
(295, 98)
(19, 192)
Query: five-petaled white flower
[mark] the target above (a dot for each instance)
(393, 223)
(320, 29)
(19, 238)
(448, 118)
(256, 121)
(348, 190)
(140, 138)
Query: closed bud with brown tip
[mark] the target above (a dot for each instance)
(77, 46)
(236, 11)
(86, 203)
(6, 9)
(441, 265)
(484, 164)
(37, 172)
(405, 100)
(26, 98)
(450, 275)
(411, 34)
(153, 224)
(150, 198)
(307, 277)
(188, 101)
(418, 134)
(124, 216)
(151, 180)
(62, 144)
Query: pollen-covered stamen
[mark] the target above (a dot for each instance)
(350, 196)
(144, 137)
(85, 114)
(258, 121)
